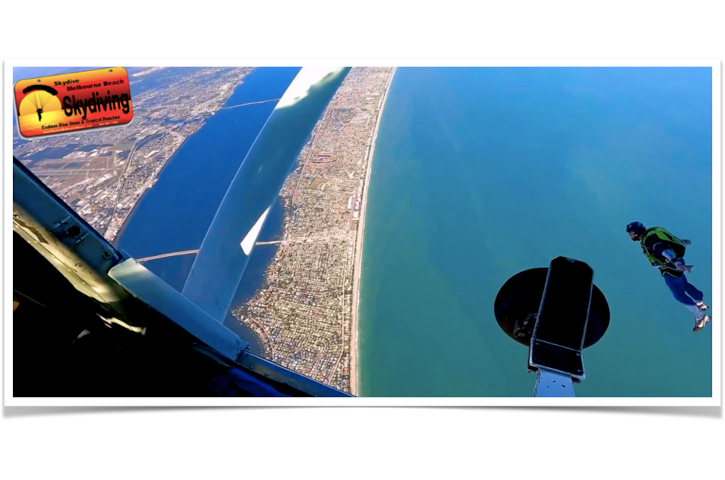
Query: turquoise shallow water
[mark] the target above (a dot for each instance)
(480, 173)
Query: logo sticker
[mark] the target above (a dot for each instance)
(74, 101)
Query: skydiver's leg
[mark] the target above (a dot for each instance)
(696, 295)
(677, 287)
(692, 291)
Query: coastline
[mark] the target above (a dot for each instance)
(359, 245)
(153, 180)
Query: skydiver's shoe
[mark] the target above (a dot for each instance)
(702, 305)
(701, 322)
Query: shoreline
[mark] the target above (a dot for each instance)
(359, 245)
(154, 179)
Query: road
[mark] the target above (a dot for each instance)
(271, 242)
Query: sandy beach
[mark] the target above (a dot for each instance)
(354, 344)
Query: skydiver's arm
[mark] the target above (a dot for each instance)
(672, 259)
(686, 242)
(679, 263)
(668, 254)
(657, 246)
(662, 249)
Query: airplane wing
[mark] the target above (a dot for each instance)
(224, 253)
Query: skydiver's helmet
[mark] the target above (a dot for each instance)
(635, 231)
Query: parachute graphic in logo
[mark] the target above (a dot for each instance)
(39, 96)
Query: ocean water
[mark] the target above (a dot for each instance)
(480, 173)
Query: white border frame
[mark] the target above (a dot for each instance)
(715, 400)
